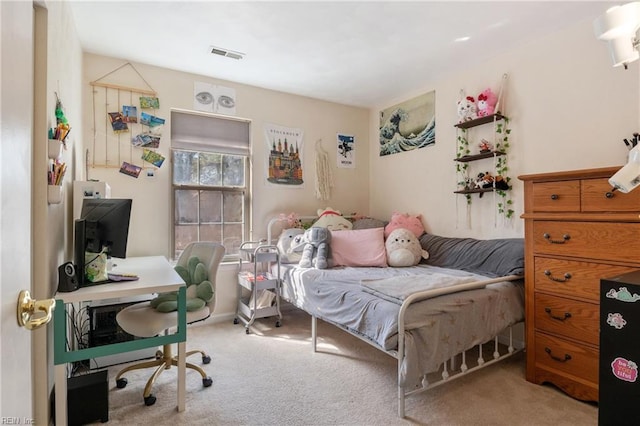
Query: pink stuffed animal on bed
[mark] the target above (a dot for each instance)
(403, 220)
(486, 103)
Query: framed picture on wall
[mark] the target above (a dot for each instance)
(408, 125)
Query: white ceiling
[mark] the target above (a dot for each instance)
(357, 53)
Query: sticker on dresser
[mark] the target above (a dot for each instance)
(623, 295)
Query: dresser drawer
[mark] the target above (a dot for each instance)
(573, 278)
(594, 240)
(597, 196)
(567, 357)
(556, 196)
(568, 318)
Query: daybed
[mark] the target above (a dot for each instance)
(464, 295)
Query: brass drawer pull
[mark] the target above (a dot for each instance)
(566, 358)
(566, 316)
(565, 238)
(567, 277)
(554, 196)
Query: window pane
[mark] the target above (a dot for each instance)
(233, 170)
(185, 167)
(210, 207)
(210, 169)
(233, 203)
(233, 236)
(211, 233)
(184, 234)
(186, 206)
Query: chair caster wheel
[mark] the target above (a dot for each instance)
(278, 323)
(206, 359)
(121, 383)
(235, 321)
(207, 381)
(246, 331)
(149, 400)
(159, 354)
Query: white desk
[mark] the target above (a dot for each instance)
(156, 275)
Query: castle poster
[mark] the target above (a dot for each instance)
(284, 158)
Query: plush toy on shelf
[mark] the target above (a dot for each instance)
(486, 103)
(485, 146)
(467, 109)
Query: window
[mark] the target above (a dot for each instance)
(210, 176)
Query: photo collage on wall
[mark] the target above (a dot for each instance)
(147, 138)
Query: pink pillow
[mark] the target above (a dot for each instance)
(400, 220)
(358, 247)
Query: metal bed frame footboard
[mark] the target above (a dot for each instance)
(399, 354)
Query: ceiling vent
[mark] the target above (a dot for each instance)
(226, 52)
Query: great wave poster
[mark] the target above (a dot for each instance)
(408, 125)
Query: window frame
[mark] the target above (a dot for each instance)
(244, 190)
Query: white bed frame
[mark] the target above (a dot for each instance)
(448, 373)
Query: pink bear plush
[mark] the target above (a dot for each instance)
(403, 220)
(486, 103)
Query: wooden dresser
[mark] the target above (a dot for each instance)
(577, 231)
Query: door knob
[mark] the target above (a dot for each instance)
(34, 313)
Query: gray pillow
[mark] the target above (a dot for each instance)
(367, 223)
(494, 257)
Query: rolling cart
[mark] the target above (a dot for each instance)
(259, 273)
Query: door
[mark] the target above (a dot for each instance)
(16, 120)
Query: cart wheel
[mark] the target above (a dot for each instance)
(206, 359)
(149, 400)
(207, 381)
(121, 383)
(278, 323)
(235, 320)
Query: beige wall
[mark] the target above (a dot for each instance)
(569, 109)
(150, 222)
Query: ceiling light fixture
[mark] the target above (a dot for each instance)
(226, 52)
(618, 27)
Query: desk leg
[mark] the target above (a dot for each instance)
(60, 380)
(181, 375)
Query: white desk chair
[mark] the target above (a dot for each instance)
(144, 321)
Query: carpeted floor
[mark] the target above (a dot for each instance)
(272, 377)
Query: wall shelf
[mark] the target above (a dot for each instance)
(474, 157)
(480, 121)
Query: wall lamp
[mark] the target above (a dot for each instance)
(619, 27)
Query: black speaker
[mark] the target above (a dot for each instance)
(67, 280)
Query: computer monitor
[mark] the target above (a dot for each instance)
(103, 225)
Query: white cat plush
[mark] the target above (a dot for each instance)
(403, 248)
(467, 109)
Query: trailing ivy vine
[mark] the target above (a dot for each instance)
(505, 207)
(462, 168)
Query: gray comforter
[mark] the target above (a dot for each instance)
(436, 329)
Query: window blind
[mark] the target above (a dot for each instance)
(204, 132)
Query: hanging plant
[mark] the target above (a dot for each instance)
(505, 207)
(462, 169)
